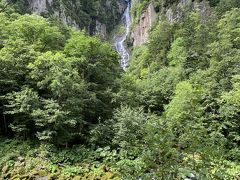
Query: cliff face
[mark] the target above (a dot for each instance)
(97, 17)
(173, 13)
(141, 31)
(39, 6)
(100, 17)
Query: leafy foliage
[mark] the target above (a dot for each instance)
(70, 89)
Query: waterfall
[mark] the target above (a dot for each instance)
(119, 40)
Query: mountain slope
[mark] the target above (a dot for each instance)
(96, 17)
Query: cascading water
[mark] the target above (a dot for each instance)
(119, 40)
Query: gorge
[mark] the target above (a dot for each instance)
(119, 40)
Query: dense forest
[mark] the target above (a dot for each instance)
(69, 111)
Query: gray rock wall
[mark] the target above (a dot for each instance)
(95, 26)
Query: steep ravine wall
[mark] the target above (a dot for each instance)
(173, 13)
(140, 33)
(70, 13)
(39, 6)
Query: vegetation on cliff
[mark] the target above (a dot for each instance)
(83, 14)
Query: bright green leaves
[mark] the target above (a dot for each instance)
(20, 106)
(157, 89)
(94, 56)
(56, 77)
(4, 22)
(228, 36)
(185, 104)
(73, 88)
(192, 39)
(14, 58)
(225, 50)
(193, 139)
(36, 31)
(98, 64)
(159, 44)
(184, 113)
(178, 53)
(128, 127)
(22, 102)
(230, 113)
(32, 114)
(79, 45)
(187, 76)
(232, 97)
(55, 72)
(226, 5)
(139, 65)
(52, 123)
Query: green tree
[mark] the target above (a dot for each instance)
(184, 110)
(4, 22)
(98, 64)
(20, 105)
(128, 127)
(191, 137)
(226, 5)
(157, 90)
(53, 124)
(178, 53)
(57, 78)
(14, 58)
(36, 31)
(160, 43)
(229, 112)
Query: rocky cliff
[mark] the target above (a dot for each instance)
(173, 13)
(39, 6)
(176, 12)
(141, 31)
(96, 17)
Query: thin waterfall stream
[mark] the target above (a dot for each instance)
(119, 40)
